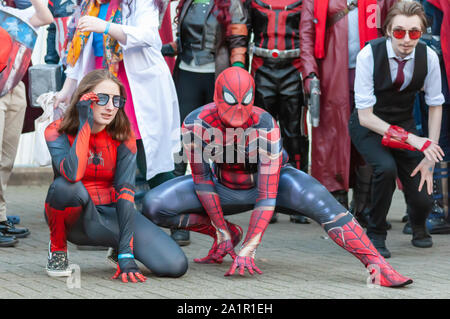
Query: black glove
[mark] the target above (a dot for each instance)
(84, 107)
(167, 50)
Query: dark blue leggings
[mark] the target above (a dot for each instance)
(298, 193)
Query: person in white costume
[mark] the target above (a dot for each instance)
(123, 36)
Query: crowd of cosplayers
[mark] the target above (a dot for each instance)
(359, 90)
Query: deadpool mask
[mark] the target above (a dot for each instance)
(234, 95)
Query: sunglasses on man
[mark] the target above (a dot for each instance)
(400, 34)
(118, 101)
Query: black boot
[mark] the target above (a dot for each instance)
(360, 204)
(342, 197)
(8, 228)
(407, 228)
(379, 241)
(420, 236)
(436, 222)
(298, 219)
(362, 217)
(180, 169)
(274, 218)
(180, 163)
(181, 236)
(7, 241)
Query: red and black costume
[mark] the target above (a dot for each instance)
(248, 172)
(91, 200)
(276, 68)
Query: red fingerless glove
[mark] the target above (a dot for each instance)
(395, 137)
(91, 96)
(425, 145)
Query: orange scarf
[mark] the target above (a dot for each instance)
(112, 52)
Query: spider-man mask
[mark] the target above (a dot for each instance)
(234, 96)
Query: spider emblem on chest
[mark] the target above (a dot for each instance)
(96, 159)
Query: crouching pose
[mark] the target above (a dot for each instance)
(91, 201)
(243, 143)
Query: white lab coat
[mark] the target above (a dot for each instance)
(154, 95)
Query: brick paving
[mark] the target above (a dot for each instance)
(298, 261)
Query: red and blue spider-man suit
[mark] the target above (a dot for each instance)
(91, 200)
(248, 172)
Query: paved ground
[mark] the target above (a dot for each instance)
(298, 261)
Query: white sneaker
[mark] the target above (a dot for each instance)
(57, 264)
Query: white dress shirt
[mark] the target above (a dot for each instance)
(364, 84)
(353, 36)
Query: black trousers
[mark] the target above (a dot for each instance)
(387, 164)
(193, 90)
(279, 91)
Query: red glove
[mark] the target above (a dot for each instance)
(243, 263)
(124, 276)
(395, 137)
(91, 96)
(218, 252)
(128, 268)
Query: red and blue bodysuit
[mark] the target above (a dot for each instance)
(238, 165)
(91, 200)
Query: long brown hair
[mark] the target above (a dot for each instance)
(119, 128)
(406, 8)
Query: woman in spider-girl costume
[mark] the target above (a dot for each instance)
(90, 202)
(238, 183)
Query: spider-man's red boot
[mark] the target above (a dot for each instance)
(347, 233)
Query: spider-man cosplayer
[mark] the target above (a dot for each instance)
(276, 69)
(91, 201)
(249, 172)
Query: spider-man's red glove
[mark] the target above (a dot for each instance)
(127, 268)
(243, 262)
(218, 252)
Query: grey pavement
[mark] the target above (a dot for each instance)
(298, 261)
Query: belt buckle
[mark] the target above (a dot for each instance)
(275, 53)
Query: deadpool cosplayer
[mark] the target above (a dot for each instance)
(248, 171)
